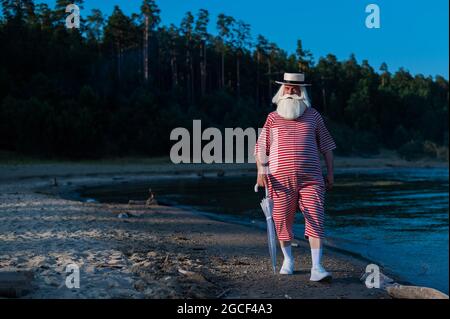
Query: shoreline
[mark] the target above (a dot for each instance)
(297, 240)
(11, 169)
(151, 254)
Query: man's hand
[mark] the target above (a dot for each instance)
(261, 180)
(329, 181)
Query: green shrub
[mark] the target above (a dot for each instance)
(417, 149)
(353, 142)
(400, 136)
(434, 150)
(411, 150)
(365, 144)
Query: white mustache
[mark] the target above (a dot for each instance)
(290, 96)
(290, 108)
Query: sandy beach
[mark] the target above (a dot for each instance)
(158, 251)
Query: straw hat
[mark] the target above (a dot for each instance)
(294, 79)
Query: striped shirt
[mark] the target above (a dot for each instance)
(293, 146)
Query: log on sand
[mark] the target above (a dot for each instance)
(149, 202)
(399, 291)
(414, 292)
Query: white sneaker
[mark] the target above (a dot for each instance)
(288, 267)
(319, 274)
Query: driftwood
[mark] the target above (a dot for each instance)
(398, 291)
(414, 292)
(136, 202)
(149, 202)
(15, 284)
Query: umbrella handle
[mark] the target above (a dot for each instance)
(267, 190)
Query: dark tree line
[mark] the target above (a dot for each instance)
(119, 84)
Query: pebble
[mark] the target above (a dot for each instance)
(152, 254)
(140, 285)
(52, 281)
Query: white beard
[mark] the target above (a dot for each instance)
(290, 107)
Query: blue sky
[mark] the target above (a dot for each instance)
(413, 33)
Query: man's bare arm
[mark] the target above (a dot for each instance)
(330, 169)
(261, 178)
(329, 161)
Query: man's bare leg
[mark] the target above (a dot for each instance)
(315, 243)
(284, 243)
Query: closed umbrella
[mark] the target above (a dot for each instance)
(267, 207)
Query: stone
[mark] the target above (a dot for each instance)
(186, 272)
(140, 285)
(152, 254)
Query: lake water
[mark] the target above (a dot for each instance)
(395, 217)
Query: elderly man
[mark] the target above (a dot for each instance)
(288, 161)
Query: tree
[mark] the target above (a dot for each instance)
(120, 34)
(274, 51)
(150, 12)
(328, 69)
(359, 109)
(202, 36)
(44, 16)
(242, 41)
(385, 75)
(19, 11)
(88, 94)
(350, 76)
(174, 35)
(95, 25)
(304, 57)
(262, 48)
(187, 29)
(224, 25)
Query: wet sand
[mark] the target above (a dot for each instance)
(157, 252)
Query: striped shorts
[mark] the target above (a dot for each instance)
(287, 195)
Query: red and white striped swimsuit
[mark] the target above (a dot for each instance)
(295, 175)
